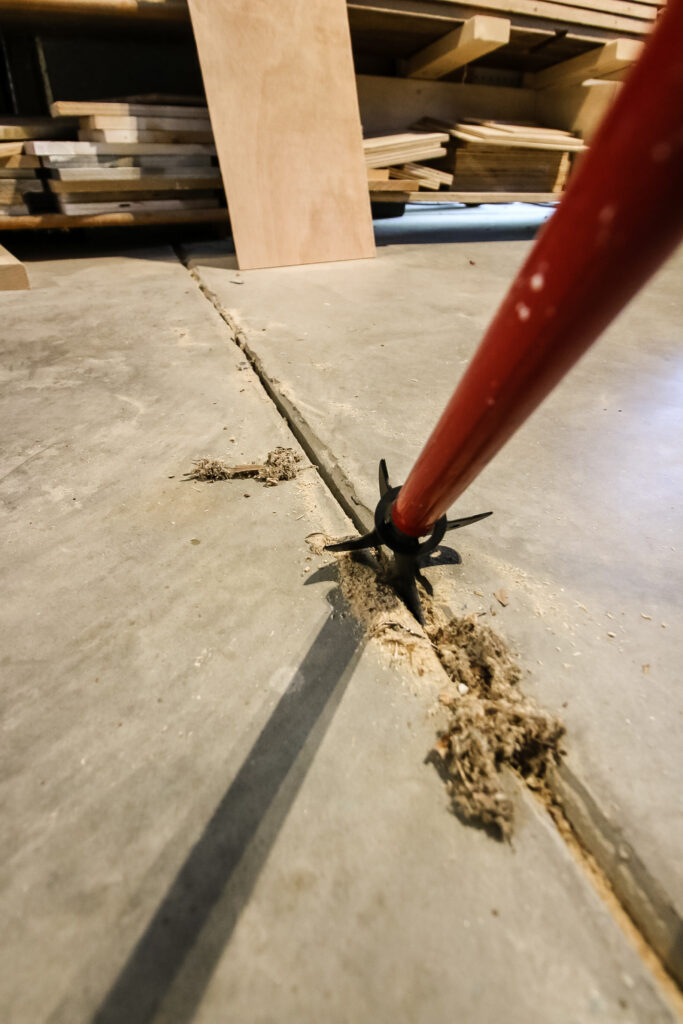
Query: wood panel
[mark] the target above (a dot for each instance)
(281, 92)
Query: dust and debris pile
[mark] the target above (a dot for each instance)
(280, 464)
(210, 469)
(490, 723)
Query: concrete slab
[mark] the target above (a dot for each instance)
(587, 533)
(214, 793)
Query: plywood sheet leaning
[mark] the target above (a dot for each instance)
(281, 92)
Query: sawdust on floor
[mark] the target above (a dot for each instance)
(490, 724)
(280, 464)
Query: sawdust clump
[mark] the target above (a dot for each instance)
(280, 464)
(491, 724)
(210, 469)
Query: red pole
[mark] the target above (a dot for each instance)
(621, 217)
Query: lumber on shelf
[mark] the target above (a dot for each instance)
(103, 220)
(613, 57)
(124, 108)
(395, 185)
(13, 276)
(478, 36)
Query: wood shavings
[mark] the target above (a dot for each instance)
(280, 464)
(490, 724)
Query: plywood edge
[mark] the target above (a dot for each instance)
(13, 276)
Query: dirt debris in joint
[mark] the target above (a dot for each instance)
(490, 724)
(280, 464)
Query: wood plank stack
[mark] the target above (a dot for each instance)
(404, 147)
(135, 157)
(19, 180)
(502, 157)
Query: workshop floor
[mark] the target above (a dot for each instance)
(215, 794)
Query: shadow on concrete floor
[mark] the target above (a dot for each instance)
(173, 962)
(427, 223)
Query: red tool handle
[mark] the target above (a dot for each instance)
(621, 217)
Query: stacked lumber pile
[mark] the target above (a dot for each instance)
(392, 164)
(495, 156)
(404, 147)
(145, 157)
(19, 180)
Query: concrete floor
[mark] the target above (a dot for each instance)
(215, 793)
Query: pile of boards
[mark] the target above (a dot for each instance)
(131, 156)
(20, 185)
(393, 161)
(495, 156)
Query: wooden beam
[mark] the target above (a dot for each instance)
(478, 36)
(13, 276)
(604, 60)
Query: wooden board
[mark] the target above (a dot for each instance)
(13, 276)
(147, 183)
(84, 147)
(20, 160)
(394, 185)
(119, 174)
(78, 108)
(12, 128)
(162, 124)
(474, 198)
(153, 195)
(306, 119)
(403, 147)
(164, 161)
(133, 135)
(140, 205)
(558, 12)
(378, 173)
(477, 36)
(16, 173)
(48, 221)
(12, 189)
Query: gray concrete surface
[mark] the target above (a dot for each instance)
(587, 532)
(214, 799)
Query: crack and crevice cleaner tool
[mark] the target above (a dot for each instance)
(622, 215)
